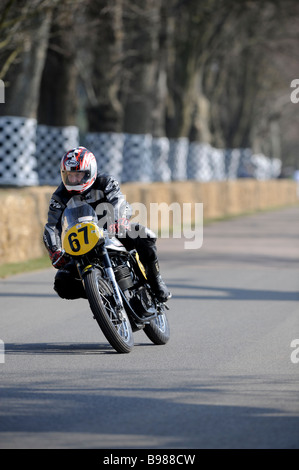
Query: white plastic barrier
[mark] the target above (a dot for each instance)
(18, 165)
(198, 163)
(217, 157)
(160, 153)
(108, 150)
(137, 158)
(30, 155)
(232, 163)
(246, 167)
(262, 167)
(178, 154)
(51, 144)
(275, 167)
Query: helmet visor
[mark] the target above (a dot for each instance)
(75, 178)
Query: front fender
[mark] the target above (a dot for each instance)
(87, 269)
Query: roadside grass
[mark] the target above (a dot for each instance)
(10, 269)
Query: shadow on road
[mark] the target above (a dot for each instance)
(231, 293)
(100, 416)
(26, 294)
(58, 348)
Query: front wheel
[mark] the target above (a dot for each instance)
(116, 328)
(158, 330)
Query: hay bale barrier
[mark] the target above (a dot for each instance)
(23, 211)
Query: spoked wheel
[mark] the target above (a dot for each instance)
(158, 330)
(115, 326)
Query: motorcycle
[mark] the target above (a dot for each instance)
(114, 280)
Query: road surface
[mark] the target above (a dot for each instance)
(228, 378)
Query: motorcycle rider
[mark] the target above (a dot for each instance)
(80, 176)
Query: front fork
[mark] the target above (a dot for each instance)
(111, 276)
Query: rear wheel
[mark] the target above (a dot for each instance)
(115, 326)
(158, 330)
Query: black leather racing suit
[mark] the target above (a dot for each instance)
(104, 190)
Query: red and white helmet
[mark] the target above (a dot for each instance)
(78, 170)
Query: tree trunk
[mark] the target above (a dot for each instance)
(146, 81)
(104, 107)
(58, 104)
(23, 79)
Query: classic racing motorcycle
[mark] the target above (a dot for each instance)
(114, 279)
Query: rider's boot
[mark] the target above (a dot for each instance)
(156, 282)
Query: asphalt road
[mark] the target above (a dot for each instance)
(228, 378)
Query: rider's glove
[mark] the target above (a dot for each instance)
(58, 259)
(120, 227)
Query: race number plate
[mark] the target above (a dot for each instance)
(81, 238)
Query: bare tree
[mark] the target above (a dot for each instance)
(28, 24)
(58, 101)
(143, 65)
(245, 81)
(101, 67)
(216, 71)
(193, 29)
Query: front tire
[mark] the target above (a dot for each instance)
(118, 332)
